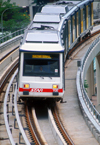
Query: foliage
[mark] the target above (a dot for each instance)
(85, 85)
(13, 18)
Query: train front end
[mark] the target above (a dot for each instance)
(41, 71)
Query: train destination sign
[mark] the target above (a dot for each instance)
(41, 56)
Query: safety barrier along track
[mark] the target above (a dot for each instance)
(22, 134)
(18, 119)
(8, 73)
(11, 36)
(7, 120)
(8, 59)
(5, 112)
(91, 115)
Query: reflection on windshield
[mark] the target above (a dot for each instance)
(41, 65)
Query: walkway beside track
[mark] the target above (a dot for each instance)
(70, 112)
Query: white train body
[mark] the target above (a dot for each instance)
(45, 83)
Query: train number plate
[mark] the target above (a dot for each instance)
(37, 90)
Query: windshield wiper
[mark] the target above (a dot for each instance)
(50, 77)
(41, 77)
(43, 27)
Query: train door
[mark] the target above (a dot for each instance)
(89, 18)
(81, 20)
(71, 36)
(91, 13)
(76, 24)
(73, 28)
(69, 33)
(84, 18)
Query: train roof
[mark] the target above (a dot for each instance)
(42, 36)
(44, 47)
(56, 9)
(47, 17)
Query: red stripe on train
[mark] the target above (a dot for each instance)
(39, 90)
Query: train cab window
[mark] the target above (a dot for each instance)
(41, 65)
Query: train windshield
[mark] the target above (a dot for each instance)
(41, 65)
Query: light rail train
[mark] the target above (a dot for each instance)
(44, 49)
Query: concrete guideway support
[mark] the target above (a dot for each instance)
(90, 81)
(98, 78)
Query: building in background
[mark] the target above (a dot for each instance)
(27, 4)
(31, 5)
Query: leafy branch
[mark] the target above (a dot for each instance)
(14, 17)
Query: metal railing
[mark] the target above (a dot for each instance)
(88, 102)
(92, 114)
(12, 35)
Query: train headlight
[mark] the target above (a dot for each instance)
(55, 86)
(26, 86)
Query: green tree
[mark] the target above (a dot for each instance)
(13, 18)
